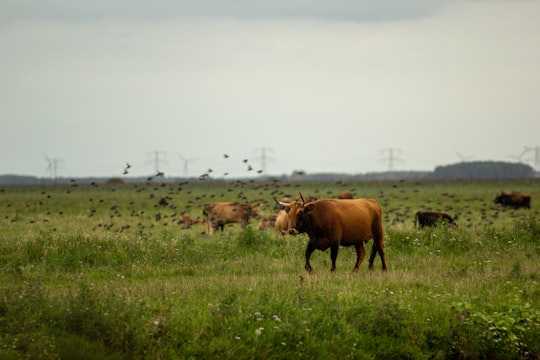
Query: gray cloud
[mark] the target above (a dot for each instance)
(100, 83)
(339, 10)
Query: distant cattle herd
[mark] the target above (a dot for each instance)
(513, 199)
(331, 223)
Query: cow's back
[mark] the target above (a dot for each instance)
(224, 211)
(355, 218)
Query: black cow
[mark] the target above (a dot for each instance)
(513, 199)
(432, 218)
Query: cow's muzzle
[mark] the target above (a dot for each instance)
(293, 232)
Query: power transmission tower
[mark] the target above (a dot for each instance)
(186, 162)
(52, 166)
(156, 159)
(391, 159)
(264, 157)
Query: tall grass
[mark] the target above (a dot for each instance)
(94, 273)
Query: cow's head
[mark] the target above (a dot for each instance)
(298, 216)
(254, 210)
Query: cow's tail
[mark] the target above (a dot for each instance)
(415, 219)
(378, 239)
(378, 234)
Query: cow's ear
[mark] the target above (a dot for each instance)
(309, 208)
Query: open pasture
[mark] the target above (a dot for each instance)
(110, 271)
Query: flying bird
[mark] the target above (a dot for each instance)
(225, 156)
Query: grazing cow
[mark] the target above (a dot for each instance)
(187, 221)
(432, 218)
(345, 195)
(279, 221)
(267, 222)
(332, 223)
(513, 199)
(219, 214)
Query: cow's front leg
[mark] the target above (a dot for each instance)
(360, 253)
(309, 250)
(333, 256)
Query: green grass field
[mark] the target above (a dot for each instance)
(99, 272)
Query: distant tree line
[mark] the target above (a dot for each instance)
(465, 170)
(483, 170)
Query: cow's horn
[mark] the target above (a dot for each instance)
(301, 197)
(280, 202)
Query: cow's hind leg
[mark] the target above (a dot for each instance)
(374, 250)
(333, 256)
(372, 256)
(360, 254)
(378, 246)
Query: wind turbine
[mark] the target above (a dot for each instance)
(463, 158)
(186, 163)
(519, 157)
(536, 159)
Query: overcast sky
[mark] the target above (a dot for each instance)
(320, 85)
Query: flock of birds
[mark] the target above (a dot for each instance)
(203, 176)
(185, 210)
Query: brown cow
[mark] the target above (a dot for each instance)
(187, 221)
(345, 195)
(267, 222)
(333, 223)
(279, 221)
(432, 218)
(219, 214)
(513, 199)
(282, 222)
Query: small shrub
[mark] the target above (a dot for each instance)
(510, 332)
(251, 237)
(114, 181)
(527, 228)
